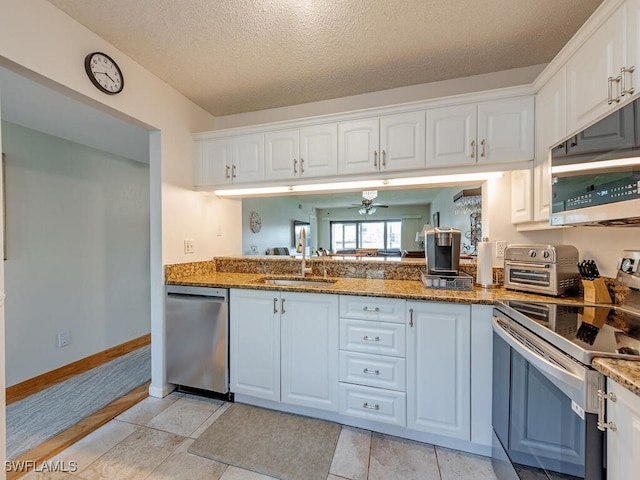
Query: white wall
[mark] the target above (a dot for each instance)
(42, 43)
(77, 251)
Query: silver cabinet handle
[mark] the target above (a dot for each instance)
(371, 407)
(610, 81)
(602, 425)
(367, 338)
(233, 171)
(282, 306)
(623, 89)
(295, 166)
(371, 372)
(375, 158)
(411, 317)
(370, 309)
(384, 158)
(473, 149)
(226, 172)
(275, 305)
(301, 166)
(484, 147)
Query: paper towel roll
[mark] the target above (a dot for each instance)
(484, 271)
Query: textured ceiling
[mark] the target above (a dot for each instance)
(233, 56)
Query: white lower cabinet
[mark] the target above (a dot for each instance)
(309, 342)
(439, 368)
(284, 347)
(254, 343)
(372, 359)
(623, 444)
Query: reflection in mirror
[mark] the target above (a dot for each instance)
(345, 220)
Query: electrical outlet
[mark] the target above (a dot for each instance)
(64, 338)
(501, 246)
(188, 246)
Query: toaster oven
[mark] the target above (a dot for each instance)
(545, 269)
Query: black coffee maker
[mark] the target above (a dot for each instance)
(442, 245)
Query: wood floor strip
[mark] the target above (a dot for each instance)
(46, 380)
(55, 445)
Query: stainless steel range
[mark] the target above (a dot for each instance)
(546, 404)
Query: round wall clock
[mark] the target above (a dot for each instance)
(255, 222)
(104, 73)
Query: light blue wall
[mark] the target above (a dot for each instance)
(77, 251)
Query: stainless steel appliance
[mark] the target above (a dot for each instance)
(548, 415)
(197, 337)
(539, 268)
(595, 174)
(442, 246)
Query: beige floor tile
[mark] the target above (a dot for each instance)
(207, 423)
(185, 415)
(97, 443)
(235, 473)
(135, 457)
(456, 465)
(42, 475)
(181, 465)
(144, 411)
(351, 459)
(400, 459)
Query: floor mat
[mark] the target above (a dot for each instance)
(281, 445)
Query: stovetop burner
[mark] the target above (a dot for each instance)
(581, 331)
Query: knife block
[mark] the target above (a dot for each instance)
(596, 291)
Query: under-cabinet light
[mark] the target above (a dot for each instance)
(359, 185)
(583, 167)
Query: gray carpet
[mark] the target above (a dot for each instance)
(41, 416)
(281, 445)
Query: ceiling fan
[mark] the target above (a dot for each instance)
(367, 207)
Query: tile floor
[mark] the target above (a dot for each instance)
(150, 441)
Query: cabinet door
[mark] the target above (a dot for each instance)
(521, 200)
(452, 136)
(358, 144)
(215, 162)
(599, 58)
(506, 130)
(623, 444)
(633, 46)
(551, 127)
(319, 150)
(402, 141)
(254, 330)
(281, 154)
(310, 350)
(248, 158)
(438, 369)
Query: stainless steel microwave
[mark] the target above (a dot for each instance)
(595, 174)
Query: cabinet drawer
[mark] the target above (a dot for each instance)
(371, 308)
(376, 404)
(373, 370)
(372, 337)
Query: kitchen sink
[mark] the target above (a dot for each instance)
(307, 282)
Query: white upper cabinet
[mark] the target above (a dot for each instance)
(521, 198)
(496, 131)
(301, 153)
(248, 158)
(506, 130)
(212, 161)
(551, 128)
(593, 72)
(388, 143)
(452, 135)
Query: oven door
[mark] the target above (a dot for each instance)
(531, 277)
(541, 429)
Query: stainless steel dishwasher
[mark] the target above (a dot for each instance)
(197, 337)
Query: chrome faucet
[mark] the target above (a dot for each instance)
(302, 248)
